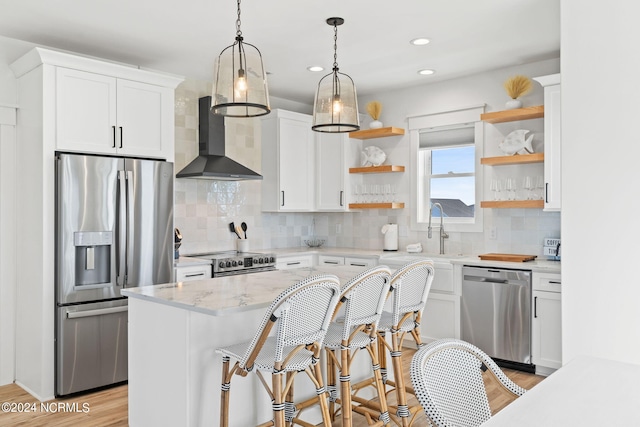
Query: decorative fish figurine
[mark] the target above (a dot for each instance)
(372, 156)
(515, 143)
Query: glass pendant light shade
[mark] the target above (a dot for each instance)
(239, 80)
(335, 108)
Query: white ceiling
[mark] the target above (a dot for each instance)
(184, 36)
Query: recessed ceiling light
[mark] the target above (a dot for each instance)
(426, 72)
(420, 41)
(315, 68)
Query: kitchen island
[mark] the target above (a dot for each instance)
(174, 330)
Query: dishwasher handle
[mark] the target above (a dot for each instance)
(485, 279)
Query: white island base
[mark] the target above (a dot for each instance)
(174, 330)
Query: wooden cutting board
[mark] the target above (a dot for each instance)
(507, 257)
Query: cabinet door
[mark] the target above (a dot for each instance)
(85, 112)
(546, 334)
(441, 317)
(144, 119)
(552, 148)
(330, 167)
(296, 164)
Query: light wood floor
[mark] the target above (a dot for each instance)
(108, 408)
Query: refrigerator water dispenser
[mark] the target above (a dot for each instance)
(93, 257)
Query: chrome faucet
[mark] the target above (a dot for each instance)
(443, 234)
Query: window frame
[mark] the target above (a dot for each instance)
(448, 119)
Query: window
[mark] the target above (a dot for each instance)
(444, 142)
(446, 174)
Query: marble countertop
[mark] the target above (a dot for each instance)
(540, 264)
(231, 294)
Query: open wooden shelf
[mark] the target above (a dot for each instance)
(525, 113)
(512, 204)
(376, 133)
(518, 159)
(377, 169)
(376, 205)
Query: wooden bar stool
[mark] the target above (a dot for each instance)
(301, 315)
(410, 286)
(363, 298)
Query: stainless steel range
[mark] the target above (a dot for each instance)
(232, 263)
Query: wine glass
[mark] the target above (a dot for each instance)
(387, 193)
(540, 186)
(495, 188)
(510, 189)
(356, 192)
(528, 185)
(365, 193)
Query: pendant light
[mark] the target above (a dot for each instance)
(239, 81)
(335, 108)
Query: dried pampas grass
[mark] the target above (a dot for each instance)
(374, 108)
(517, 86)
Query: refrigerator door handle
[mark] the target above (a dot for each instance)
(130, 224)
(122, 228)
(97, 312)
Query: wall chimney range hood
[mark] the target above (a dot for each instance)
(212, 162)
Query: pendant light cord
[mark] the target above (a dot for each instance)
(238, 30)
(335, 46)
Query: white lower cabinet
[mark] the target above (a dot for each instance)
(297, 261)
(546, 333)
(193, 272)
(360, 262)
(330, 260)
(441, 315)
(353, 261)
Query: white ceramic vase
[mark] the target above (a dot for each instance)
(376, 124)
(512, 104)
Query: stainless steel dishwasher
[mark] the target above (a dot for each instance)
(496, 314)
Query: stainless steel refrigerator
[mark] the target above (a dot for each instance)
(114, 229)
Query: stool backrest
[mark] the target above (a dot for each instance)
(300, 314)
(410, 285)
(447, 379)
(364, 298)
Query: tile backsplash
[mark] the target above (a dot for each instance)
(204, 208)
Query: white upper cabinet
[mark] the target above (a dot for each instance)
(85, 111)
(287, 162)
(303, 170)
(93, 106)
(552, 142)
(335, 154)
(102, 114)
(144, 119)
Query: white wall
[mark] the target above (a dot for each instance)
(7, 244)
(600, 203)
